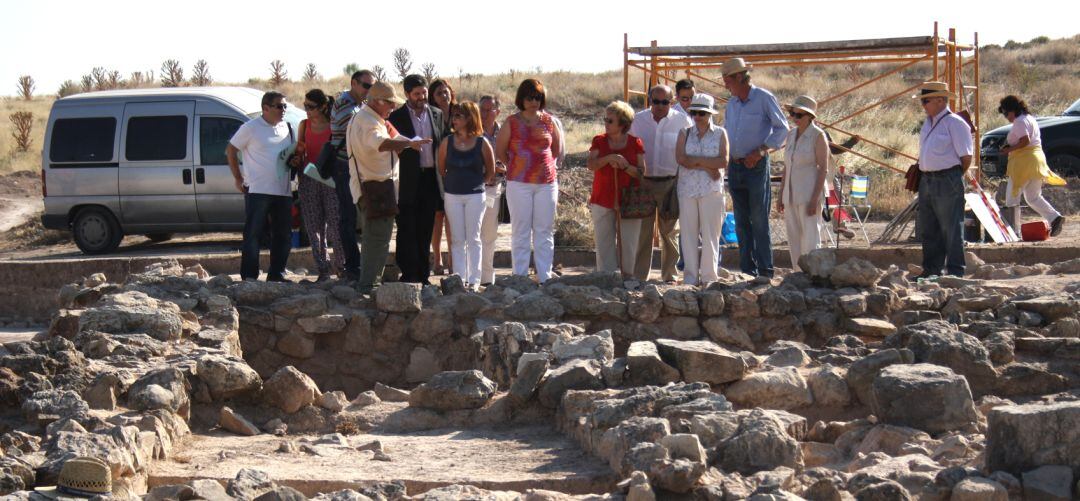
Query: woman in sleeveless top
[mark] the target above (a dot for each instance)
(528, 143)
(1027, 168)
(466, 162)
(442, 96)
(318, 202)
(806, 157)
(702, 152)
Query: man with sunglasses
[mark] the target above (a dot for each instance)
(658, 128)
(684, 94)
(755, 124)
(345, 108)
(265, 141)
(945, 152)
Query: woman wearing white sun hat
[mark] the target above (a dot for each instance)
(806, 157)
(702, 153)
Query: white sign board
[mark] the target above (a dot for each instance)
(989, 217)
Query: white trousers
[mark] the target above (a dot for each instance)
(465, 213)
(1032, 193)
(803, 232)
(603, 220)
(700, 219)
(532, 226)
(489, 233)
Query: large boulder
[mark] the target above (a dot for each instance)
(48, 405)
(161, 389)
(760, 443)
(645, 367)
(576, 374)
(855, 272)
(681, 300)
(780, 388)
(597, 346)
(398, 297)
(534, 306)
(132, 312)
(979, 489)
(939, 342)
(290, 390)
(1049, 483)
(861, 373)
(1023, 437)
(453, 390)
(618, 440)
(1050, 307)
(702, 361)
(227, 377)
(818, 263)
(928, 397)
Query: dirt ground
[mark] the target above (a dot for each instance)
(523, 457)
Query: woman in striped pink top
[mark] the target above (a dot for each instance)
(528, 143)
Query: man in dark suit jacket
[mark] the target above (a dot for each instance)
(418, 185)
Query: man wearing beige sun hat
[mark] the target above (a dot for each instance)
(945, 152)
(755, 124)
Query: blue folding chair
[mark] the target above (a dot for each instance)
(858, 199)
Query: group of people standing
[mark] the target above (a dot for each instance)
(400, 161)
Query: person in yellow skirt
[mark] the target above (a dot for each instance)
(1027, 169)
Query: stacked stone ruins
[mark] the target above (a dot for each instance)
(844, 382)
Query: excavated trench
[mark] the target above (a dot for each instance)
(851, 376)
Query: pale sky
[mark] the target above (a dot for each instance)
(55, 40)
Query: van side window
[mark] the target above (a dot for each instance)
(214, 136)
(83, 140)
(157, 138)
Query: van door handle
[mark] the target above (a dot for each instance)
(187, 176)
(200, 175)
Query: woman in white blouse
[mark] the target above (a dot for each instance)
(806, 157)
(702, 153)
(1027, 169)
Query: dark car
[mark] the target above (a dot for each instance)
(1060, 142)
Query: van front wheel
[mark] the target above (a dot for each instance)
(96, 231)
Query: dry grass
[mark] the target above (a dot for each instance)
(1044, 73)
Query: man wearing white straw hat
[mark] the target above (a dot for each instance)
(945, 150)
(755, 124)
(373, 147)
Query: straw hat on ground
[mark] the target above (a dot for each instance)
(733, 66)
(804, 103)
(933, 89)
(80, 478)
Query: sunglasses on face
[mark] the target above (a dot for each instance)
(366, 85)
(926, 100)
(279, 106)
(796, 115)
(609, 121)
(686, 99)
(310, 107)
(535, 97)
(661, 102)
(698, 113)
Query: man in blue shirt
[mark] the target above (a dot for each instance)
(755, 124)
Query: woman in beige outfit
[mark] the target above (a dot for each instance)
(806, 156)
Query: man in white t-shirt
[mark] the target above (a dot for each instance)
(266, 142)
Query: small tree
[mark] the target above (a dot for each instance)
(380, 72)
(101, 78)
(200, 74)
(87, 83)
(26, 87)
(402, 61)
(22, 122)
(429, 71)
(172, 73)
(278, 75)
(69, 87)
(115, 80)
(351, 68)
(311, 74)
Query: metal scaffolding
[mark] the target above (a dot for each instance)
(952, 62)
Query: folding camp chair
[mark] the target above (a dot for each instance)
(858, 199)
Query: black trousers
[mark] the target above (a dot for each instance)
(414, 224)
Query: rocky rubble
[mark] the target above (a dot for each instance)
(844, 382)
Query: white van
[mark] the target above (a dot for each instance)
(144, 161)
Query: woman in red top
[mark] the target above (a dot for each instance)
(528, 144)
(318, 202)
(615, 158)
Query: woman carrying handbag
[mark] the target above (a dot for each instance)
(617, 203)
